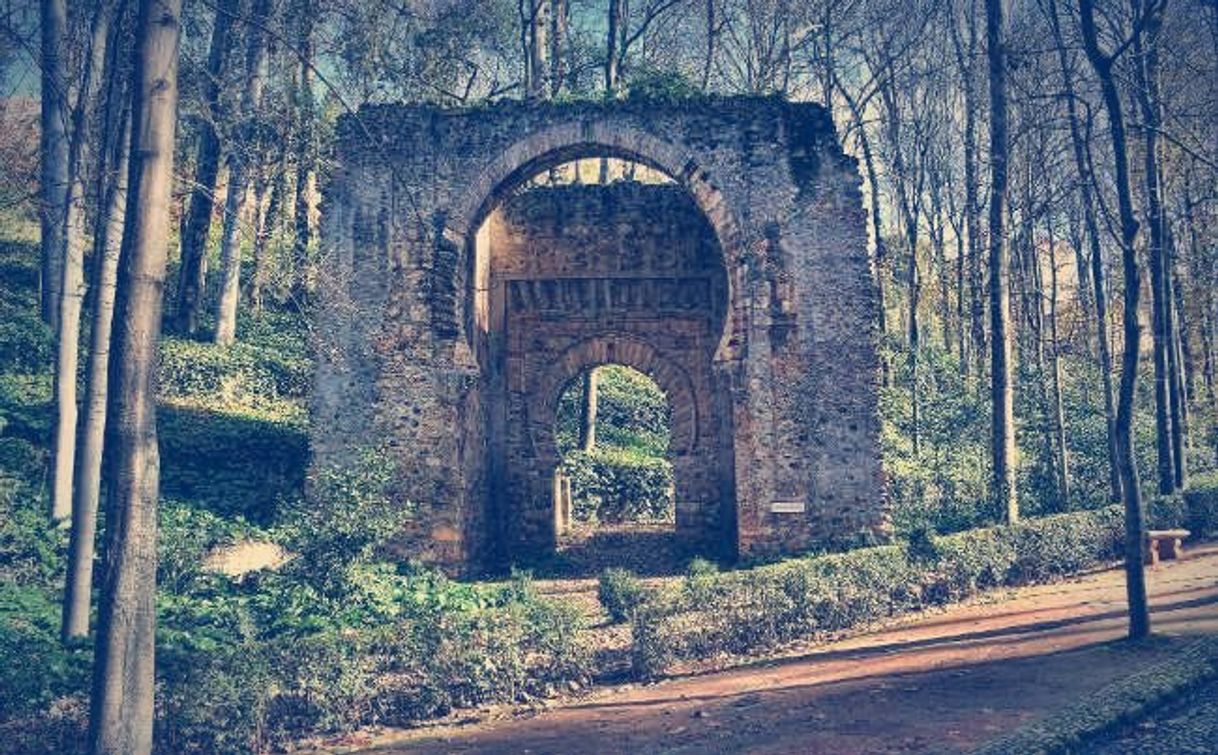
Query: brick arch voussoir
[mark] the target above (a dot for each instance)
(615, 349)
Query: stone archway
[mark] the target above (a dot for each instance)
(581, 275)
(411, 356)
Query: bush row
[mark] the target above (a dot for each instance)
(259, 695)
(612, 485)
(744, 611)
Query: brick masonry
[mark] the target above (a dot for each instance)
(455, 308)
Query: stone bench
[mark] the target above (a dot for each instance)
(1164, 544)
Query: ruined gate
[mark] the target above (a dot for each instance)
(454, 309)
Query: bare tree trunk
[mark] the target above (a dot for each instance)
(539, 47)
(72, 286)
(1131, 493)
(238, 182)
(708, 62)
(915, 289)
(197, 225)
(1002, 440)
(53, 151)
(107, 246)
(1160, 307)
(1062, 465)
(121, 707)
(939, 244)
(617, 22)
(1095, 252)
(587, 416)
(972, 203)
(1175, 362)
(559, 29)
(267, 225)
(305, 160)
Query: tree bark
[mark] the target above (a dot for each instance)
(587, 416)
(539, 47)
(107, 247)
(193, 273)
(1175, 366)
(53, 151)
(268, 222)
(121, 708)
(1131, 493)
(72, 283)
(1002, 439)
(238, 182)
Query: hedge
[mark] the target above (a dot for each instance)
(263, 695)
(745, 611)
(1201, 505)
(611, 485)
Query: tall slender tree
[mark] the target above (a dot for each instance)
(107, 249)
(1086, 188)
(72, 266)
(53, 150)
(193, 270)
(240, 171)
(1146, 91)
(121, 707)
(1002, 397)
(1135, 521)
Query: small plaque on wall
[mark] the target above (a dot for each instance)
(787, 507)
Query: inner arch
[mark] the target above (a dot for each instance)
(566, 275)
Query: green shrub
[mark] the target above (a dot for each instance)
(186, 534)
(1165, 511)
(699, 582)
(743, 611)
(1201, 505)
(214, 702)
(610, 485)
(350, 514)
(31, 547)
(239, 375)
(260, 694)
(35, 667)
(621, 593)
(231, 464)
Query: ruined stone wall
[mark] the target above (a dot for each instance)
(402, 364)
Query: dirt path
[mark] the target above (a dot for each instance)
(938, 682)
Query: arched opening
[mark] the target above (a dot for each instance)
(585, 259)
(614, 486)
